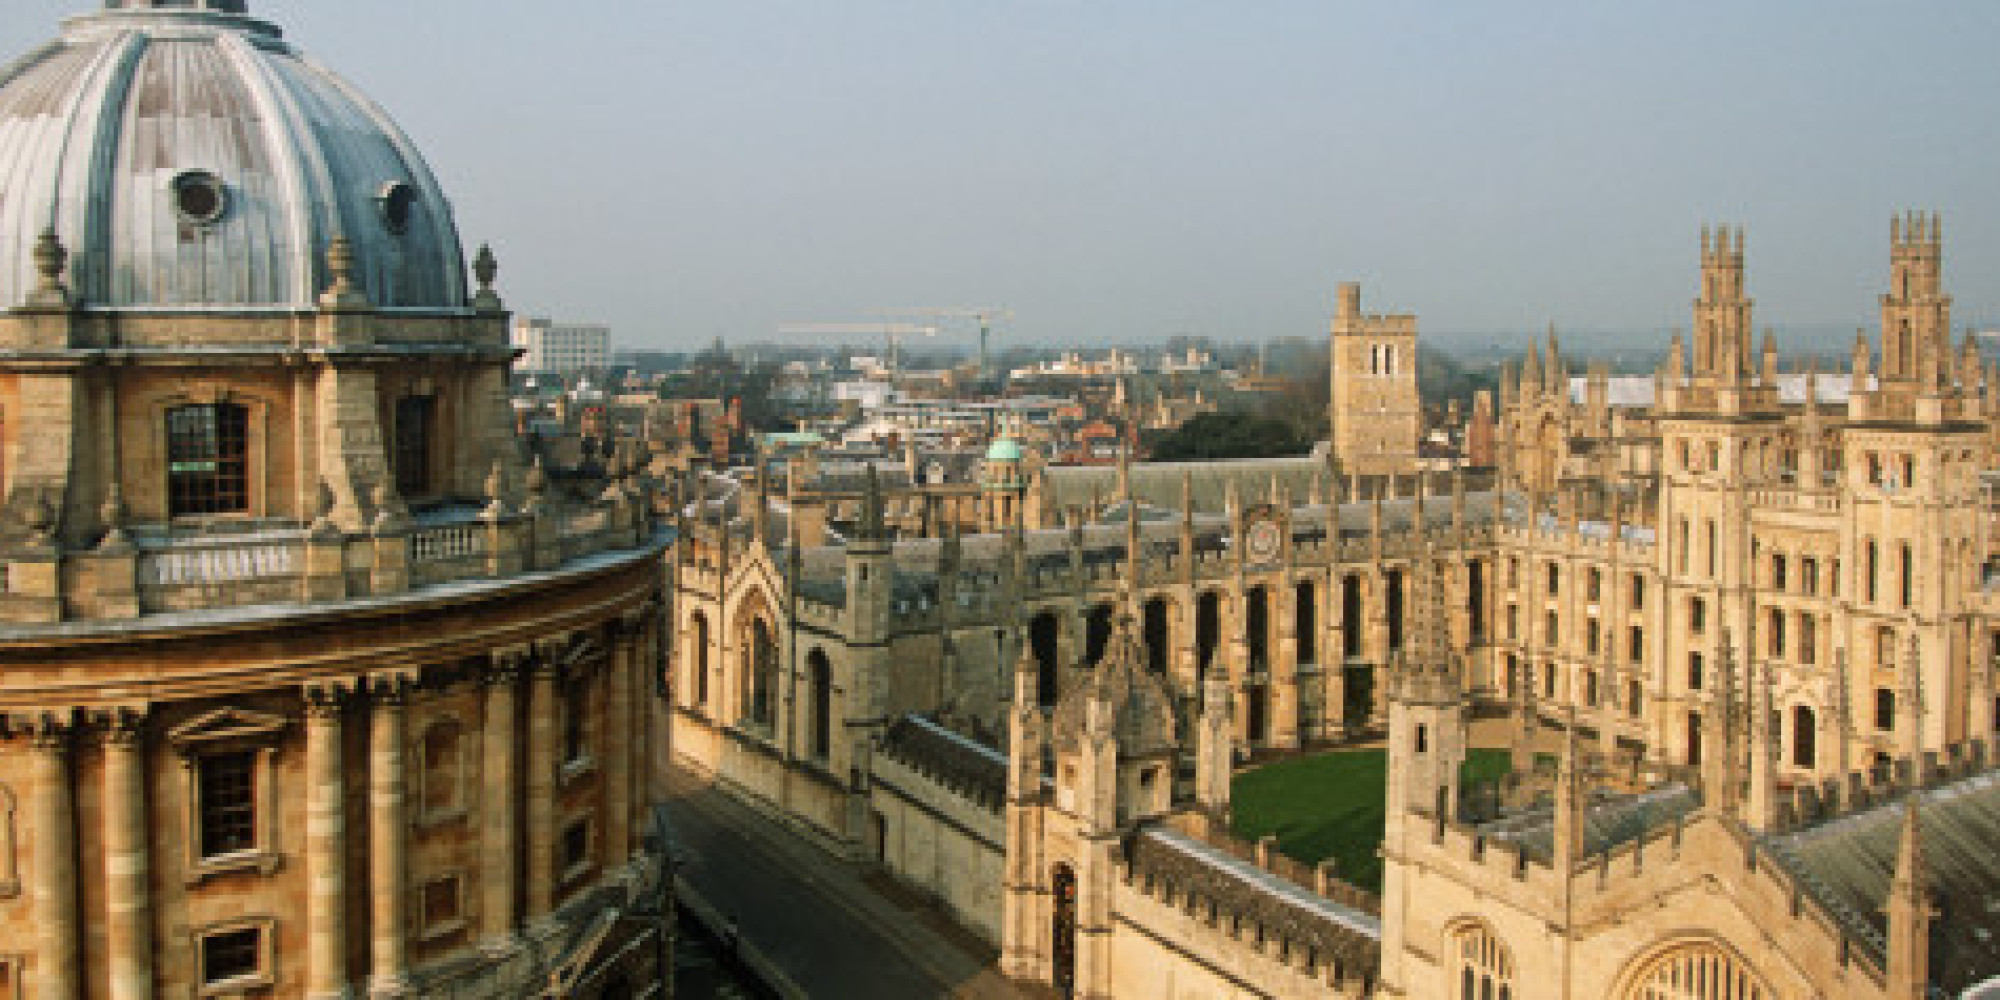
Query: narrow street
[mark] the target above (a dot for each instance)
(815, 918)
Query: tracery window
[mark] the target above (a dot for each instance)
(1699, 972)
(1485, 965)
(208, 469)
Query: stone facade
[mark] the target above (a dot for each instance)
(308, 688)
(1744, 559)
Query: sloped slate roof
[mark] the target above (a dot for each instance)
(1847, 863)
(974, 770)
(1160, 858)
(1609, 821)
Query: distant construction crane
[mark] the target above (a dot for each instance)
(892, 335)
(984, 314)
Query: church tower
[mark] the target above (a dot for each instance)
(1722, 331)
(1375, 415)
(1916, 314)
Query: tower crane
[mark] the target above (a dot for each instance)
(892, 335)
(985, 315)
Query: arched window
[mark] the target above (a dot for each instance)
(699, 661)
(1702, 971)
(820, 676)
(1158, 634)
(760, 697)
(1808, 639)
(1045, 640)
(1805, 737)
(1485, 965)
(1694, 739)
(1097, 633)
(1305, 621)
(208, 459)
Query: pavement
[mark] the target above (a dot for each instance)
(814, 923)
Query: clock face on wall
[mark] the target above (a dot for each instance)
(1263, 540)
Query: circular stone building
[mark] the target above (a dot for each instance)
(308, 687)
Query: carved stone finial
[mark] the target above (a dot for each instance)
(51, 259)
(538, 479)
(115, 539)
(496, 486)
(389, 514)
(485, 268)
(41, 521)
(342, 293)
(322, 523)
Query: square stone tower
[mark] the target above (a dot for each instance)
(1375, 415)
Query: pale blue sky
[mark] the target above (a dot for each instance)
(1126, 169)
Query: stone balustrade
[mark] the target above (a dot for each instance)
(159, 573)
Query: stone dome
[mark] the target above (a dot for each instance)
(187, 156)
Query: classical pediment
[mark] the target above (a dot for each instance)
(227, 725)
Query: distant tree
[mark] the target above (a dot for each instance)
(1230, 435)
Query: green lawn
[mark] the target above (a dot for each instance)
(1330, 805)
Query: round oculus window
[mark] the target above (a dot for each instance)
(399, 205)
(199, 197)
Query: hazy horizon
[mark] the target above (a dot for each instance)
(1125, 171)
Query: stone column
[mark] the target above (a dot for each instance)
(128, 906)
(1283, 701)
(326, 847)
(388, 843)
(618, 735)
(541, 791)
(499, 832)
(58, 958)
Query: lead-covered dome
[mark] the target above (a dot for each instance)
(187, 156)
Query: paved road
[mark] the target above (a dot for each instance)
(813, 916)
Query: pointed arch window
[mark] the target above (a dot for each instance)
(1485, 965)
(1805, 737)
(1702, 971)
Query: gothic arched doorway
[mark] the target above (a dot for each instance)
(1062, 948)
